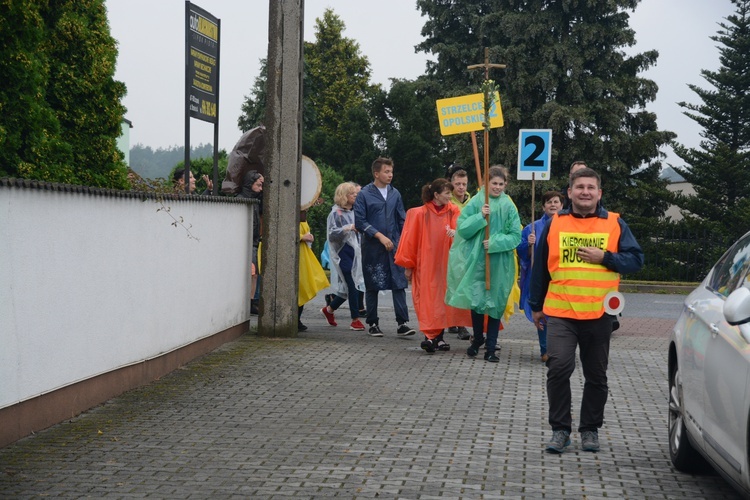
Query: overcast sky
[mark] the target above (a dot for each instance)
(151, 61)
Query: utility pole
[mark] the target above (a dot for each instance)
(280, 247)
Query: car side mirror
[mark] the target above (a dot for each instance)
(737, 307)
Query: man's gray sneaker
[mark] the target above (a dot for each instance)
(463, 333)
(560, 439)
(590, 441)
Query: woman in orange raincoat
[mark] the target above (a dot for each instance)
(423, 253)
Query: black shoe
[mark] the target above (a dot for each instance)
(254, 307)
(453, 329)
(404, 330)
(473, 349)
(442, 345)
(375, 331)
(363, 313)
(463, 333)
(301, 327)
(490, 356)
(427, 346)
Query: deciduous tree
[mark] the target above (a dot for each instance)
(410, 134)
(254, 105)
(337, 123)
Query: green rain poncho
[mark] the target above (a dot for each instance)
(466, 263)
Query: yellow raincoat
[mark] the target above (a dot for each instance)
(312, 278)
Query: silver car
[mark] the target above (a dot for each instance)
(709, 383)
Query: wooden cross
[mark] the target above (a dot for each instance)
(486, 65)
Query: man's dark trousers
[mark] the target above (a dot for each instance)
(399, 305)
(592, 338)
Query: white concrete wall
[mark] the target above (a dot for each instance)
(90, 282)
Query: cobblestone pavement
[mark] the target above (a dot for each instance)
(338, 413)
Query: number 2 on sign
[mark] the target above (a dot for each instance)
(538, 144)
(534, 154)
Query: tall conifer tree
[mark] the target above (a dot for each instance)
(567, 70)
(29, 130)
(719, 169)
(82, 90)
(60, 107)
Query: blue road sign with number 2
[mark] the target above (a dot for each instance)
(534, 154)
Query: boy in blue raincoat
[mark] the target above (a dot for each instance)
(379, 217)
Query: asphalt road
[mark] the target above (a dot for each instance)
(653, 305)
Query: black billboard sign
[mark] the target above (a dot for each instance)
(202, 64)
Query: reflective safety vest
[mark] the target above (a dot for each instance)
(577, 289)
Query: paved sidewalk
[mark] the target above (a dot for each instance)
(338, 413)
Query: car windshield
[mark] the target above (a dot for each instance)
(731, 270)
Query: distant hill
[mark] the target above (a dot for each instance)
(154, 164)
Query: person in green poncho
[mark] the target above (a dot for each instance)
(466, 263)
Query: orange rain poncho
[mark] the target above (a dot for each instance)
(424, 248)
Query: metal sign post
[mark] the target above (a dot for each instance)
(534, 161)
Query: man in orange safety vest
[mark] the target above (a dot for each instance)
(579, 257)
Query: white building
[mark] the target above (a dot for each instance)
(123, 142)
(676, 184)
